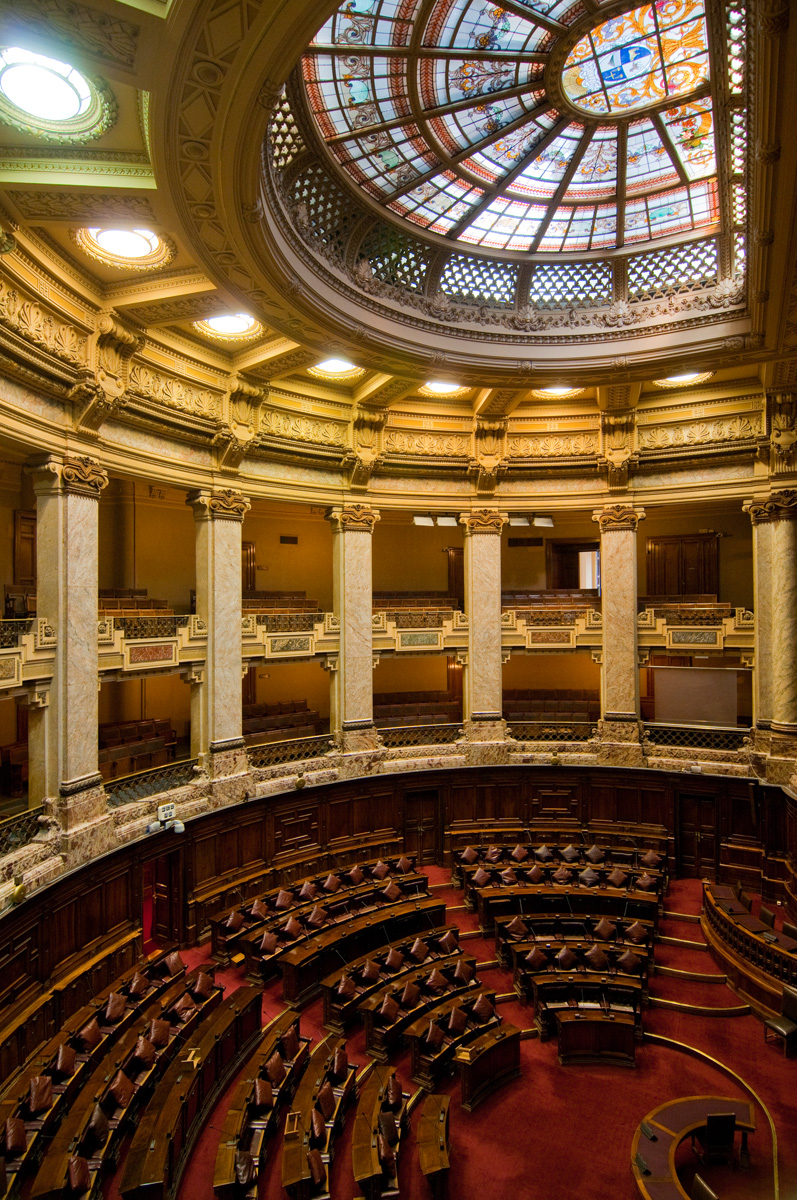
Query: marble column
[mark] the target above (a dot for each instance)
(64, 733)
(216, 694)
(481, 680)
(620, 726)
(782, 509)
(762, 608)
(352, 685)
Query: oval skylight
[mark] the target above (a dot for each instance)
(683, 380)
(441, 389)
(638, 59)
(140, 249)
(230, 326)
(49, 97)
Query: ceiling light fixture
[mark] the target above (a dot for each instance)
(557, 393)
(230, 327)
(48, 97)
(439, 388)
(448, 520)
(516, 519)
(421, 519)
(547, 522)
(139, 249)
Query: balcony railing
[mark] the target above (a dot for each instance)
(421, 735)
(552, 731)
(696, 737)
(11, 631)
(143, 628)
(274, 754)
(150, 783)
(20, 830)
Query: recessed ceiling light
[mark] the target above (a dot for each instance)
(433, 388)
(49, 97)
(559, 393)
(138, 248)
(230, 327)
(684, 380)
(336, 368)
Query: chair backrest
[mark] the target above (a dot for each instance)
(790, 930)
(788, 1007)
(746, 899)
(720, 1130)
(701, 1190)
(766, 916)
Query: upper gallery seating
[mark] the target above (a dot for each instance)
(393, 709)
(691, 600)
(558, 597)
(20, 602)
(257, 602)
(131, 602)
(264, 723)
(130, 746)
(540, 704)
(427, 599)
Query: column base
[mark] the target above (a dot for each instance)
(485, 729)
(81, 811)
(226, 764)
(781, 761)
(357, 737)
(619, 741)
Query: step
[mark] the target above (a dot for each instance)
(487, 965)
(692, 918)
(464, 934)
(674, 941)
(701, 1010)
(695, 976)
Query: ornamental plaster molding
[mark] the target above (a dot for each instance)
(782, 506)
(109, 39)
(353, 518)
(732, 429)
(172, 391)
(437, 445)
(39, 325)
(550, 446)
(83, 476)
(298, 427)
(225, 505)
(618, 517)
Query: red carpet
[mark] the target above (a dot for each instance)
(561, 1132)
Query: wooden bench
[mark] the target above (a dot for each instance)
(378, 1126)
(186, 1095)
(248, 1125)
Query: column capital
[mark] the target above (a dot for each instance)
(353, 517)
(80, 475)
(226, 505)
(758, 511)
(618, 517)
(782, 506)
(483, 520)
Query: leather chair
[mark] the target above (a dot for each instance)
(746, 899)
(789, 930)
(714, 1142)
(766, 916)
(701, 1190)
(785, 1024)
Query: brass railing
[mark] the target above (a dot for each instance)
(19, 830)
(130, 788)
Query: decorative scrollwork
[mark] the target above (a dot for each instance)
(618, 516)
(483, 520)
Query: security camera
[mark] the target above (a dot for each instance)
(162, 826)
(178, 826)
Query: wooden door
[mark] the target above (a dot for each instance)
(167, 898)
(25, 548)
(422, 827)
(683, 565)
(456, 573)
(697, 836)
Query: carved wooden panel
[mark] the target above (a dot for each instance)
(295, 830)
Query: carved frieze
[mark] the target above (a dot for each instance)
(552, 446)
(174, 393)
(437, 445)
(38, 325)
(83, 476)
(299, 427)
(700, 433)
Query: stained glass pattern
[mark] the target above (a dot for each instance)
(439, 112)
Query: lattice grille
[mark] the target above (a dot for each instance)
(739, 196)
(736, 33)
(696, 739)
(478, 282)
(395, 258)
(150, 783)
(676, 269)
(571, 285)
(326, 212)
(284, 137)
(421, 735)
(738, 142)
(19, 831)
(739, 255)
(294, 750)
(11, 631)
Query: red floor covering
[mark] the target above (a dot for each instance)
(558, 1133)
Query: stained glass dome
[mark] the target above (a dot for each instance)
(541, 126)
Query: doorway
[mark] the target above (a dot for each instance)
(422, 825)
(162, 901)
(697, 836)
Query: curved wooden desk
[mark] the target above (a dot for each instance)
(596, 1037)
(670, 1123)
(433, 1146)
(756, 959)
(563, 899)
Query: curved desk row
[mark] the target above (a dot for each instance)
(662, 1131)
(563, 899)
(757, 960)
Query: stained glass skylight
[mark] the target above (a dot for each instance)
(538, 127)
